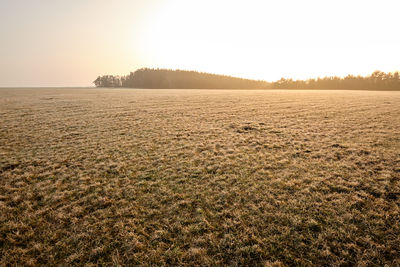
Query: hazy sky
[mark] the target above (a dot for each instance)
(71, 42)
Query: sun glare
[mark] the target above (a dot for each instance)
(269, 39)
(199, 133)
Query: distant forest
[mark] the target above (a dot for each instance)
(165, 78)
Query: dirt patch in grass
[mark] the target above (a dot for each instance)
(187, 177)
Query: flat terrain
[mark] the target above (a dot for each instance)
(212, 177)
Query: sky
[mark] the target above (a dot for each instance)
(71, 42)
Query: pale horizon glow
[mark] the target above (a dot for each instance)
(70, 43)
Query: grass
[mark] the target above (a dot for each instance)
(199, 177)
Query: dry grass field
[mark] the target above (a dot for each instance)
(199, 177)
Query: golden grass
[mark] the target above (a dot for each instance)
(186, 177)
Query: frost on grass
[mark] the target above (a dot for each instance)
(188, 177)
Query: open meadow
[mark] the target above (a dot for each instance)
(209, 177)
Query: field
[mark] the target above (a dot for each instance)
(210, 177)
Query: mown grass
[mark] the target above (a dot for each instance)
(187, 177)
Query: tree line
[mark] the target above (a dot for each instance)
(166, 78)
(378, 80)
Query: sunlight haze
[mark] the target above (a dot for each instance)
(70, 43)
(199, 133)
